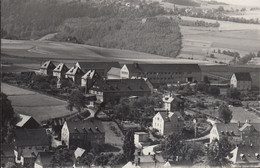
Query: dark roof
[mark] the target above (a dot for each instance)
(243, 76)
(90, 125)
(7, 150)
(228, 128)
(121, 85)
(249, 153)
(163, 67)
(114, 71)
(61, 67)
(85, 66)
(166, 115)
(31, 137)
(44, 158)
(48, 64)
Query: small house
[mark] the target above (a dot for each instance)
(89, 78)
(140, 139)
(75, 73)
(60, 71)
(241, 81)
(47, 68)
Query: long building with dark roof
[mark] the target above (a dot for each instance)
(114, 89)
(163, 73)
(83, 133)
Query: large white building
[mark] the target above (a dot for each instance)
(168, 122)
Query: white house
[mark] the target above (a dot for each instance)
(241, 81)
(140, 138)
(75, 73)
(60, 70)
(168, 122)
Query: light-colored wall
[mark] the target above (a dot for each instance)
(124, 72)
(65, 134)
(158, 123)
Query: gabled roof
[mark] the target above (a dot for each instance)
(243, 76)
(61, 67)
(135, 68)
(169, 115)
(31, 137)
(85, 66)
(44, 158)
(233, 129)
(121, 85)
(79, 152)
(245, 154)
(74, 70)
(90, 75)
(47, 64)
(24, 119)
(88, 126)
(7, 150)
(114, 71)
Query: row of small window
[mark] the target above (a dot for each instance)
(96, 92)
(146, 73)
(92, 136)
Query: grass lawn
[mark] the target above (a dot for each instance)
(39, 106)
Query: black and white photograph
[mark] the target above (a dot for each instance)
(130, 84)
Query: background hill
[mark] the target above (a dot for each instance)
(110, 25)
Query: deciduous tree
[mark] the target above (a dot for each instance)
(224, 113)
(129, 146)
(76, 100)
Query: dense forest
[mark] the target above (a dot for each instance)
(138, 27)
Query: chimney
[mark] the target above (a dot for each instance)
(238, 124)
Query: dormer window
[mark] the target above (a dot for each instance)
(242, 156)
(257, 156)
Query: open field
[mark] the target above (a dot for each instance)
(28, 55)
(198, 42)
(39, 106)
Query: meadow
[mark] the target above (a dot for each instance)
(39, 106)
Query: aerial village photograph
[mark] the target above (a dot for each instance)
(130, 83)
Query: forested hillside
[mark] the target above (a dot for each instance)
(100, 24)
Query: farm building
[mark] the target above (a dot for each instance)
(241, 81)
(75, 73)
(100, 67)
(162, 73)
(168, 122)
(248, 133)
(60, 71)
(28, 142)
(114, 89)
(27, 122)
(141, 138)
(47, 68)
(83, 133)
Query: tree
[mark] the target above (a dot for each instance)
(8, 119)
(117, 160)
(206, 80)
(129, 146)
(233, 93)
(258, 54)
(217, 153)
(214, 90)
(224, 113)
(62, 157)
(171, 146)
(76, 100)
